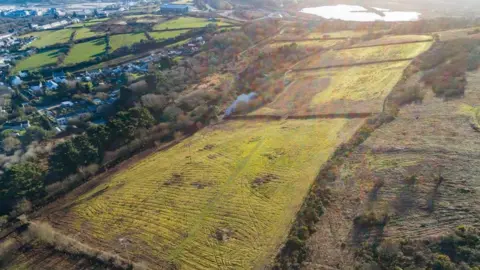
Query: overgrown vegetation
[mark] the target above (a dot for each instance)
(458, 250)
(446, 64)
(295, 251)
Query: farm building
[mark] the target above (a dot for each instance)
(173, 8)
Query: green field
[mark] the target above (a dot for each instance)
(47, 38)
(358, 55)
(118, 41)
(222, 199)
(85, 51)
(186, 22)
(37, 61)
(180, 43)
(166, 34)
(88, 23)
(86, 33)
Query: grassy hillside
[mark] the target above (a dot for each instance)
(223, 198)
(85, 51)
(89, 23)
(316, 44)
(359, 55)
(342, 90)
(186, 22)
(86, 33)
(37, 61)
(421, 171)
(47, 38)
(339, 34)
(166, 34)
(118, 41)
(395, 39)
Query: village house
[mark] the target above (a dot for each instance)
(51, 85)
(16, 125)
(36, 88)
(23, 73)
(59, 77)
(16, 81)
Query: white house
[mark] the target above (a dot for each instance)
(59, 77)
(23, 74)
(36, 87)
(16, 81)
(51, 85)
(62, 121)
(67, 104)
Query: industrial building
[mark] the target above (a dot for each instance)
(174, 8)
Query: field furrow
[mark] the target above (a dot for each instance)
(220, 199)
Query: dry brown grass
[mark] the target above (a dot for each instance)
(427, 141)
(45, 233)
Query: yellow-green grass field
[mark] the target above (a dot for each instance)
(88, 23)
(186, 22)
(122, 40)
(221, 199)
(306, 44)
(166, 34)
(37, 61)
(368, 54)
(180, 43)
(85, 51)
(86, 33)
(339, 34)
(395, 39)
(47, 38)
(358, 89)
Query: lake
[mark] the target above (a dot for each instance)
(361, 14)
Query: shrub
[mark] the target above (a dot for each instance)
(371, 219)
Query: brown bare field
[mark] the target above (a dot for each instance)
(429, 141)
(39, 256)
(459, 33)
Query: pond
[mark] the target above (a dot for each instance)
(361, 14)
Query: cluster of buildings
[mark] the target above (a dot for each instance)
(54, 24)
(188, 48)
(64, 112)
(22, 13)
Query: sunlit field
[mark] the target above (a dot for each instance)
(223, 198)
